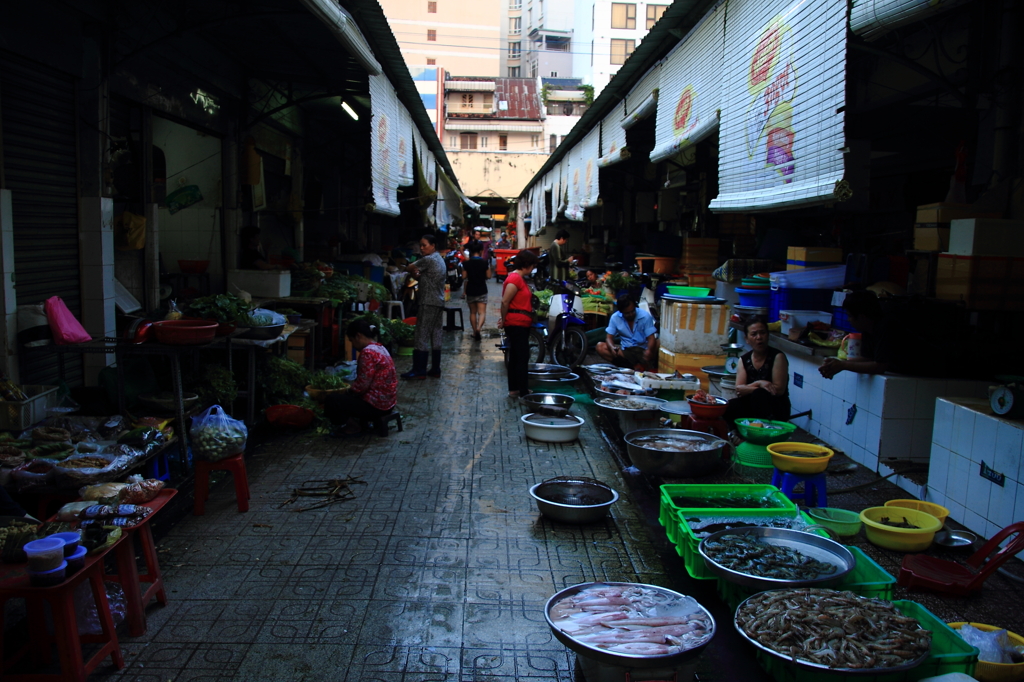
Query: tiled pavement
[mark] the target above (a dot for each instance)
(439, 569)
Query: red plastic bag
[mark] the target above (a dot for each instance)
(65, 327)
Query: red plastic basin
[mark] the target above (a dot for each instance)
(184, 332)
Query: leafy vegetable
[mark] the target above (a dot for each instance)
(286, 311)
(224, 308)
(215, 385)
(257, 321)
(621, 281)
(326, 381)
(283, 380)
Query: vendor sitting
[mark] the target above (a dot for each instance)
(762, 379)
(636, 329)
(374, 393)
(591, 283)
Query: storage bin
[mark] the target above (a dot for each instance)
(797, 299)
(840, 320)
(829, 277)
(802, 318)
(19, 415)
(754, 298)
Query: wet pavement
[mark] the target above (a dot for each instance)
(440, 566)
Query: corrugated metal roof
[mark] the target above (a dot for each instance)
(521, 96)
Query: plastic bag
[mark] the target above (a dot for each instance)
(142, 492)
(86, 612)
(65, 326)
(67, 475)
(275, 317)
(216, 436)
(101, 491)
(129, 232)
(70, 511)
(994, 646)
(173, 311)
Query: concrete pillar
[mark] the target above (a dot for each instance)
(8, 297)
(152, 257)
(96, 247)
(232, 218)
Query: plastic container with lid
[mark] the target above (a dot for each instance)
(70, 540)
(48, 578)
(45, 554)
(76, 561)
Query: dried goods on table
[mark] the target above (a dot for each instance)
(834, 629)
(50, 434)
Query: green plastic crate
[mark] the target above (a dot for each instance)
(783, 503)
(950, 654)
(687, 542)
(867, 579)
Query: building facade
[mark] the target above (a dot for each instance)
(606, 34)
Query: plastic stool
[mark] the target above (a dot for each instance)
(815, 494)
(234, 464)
(449, 324)
(380, 425)
(388, 308)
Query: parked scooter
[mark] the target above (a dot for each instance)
(568, 341)
(453, 277)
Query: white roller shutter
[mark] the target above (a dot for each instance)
(406, 176)
(643, 89)
(784, 87)
(383, 145)
(690, 90)
(613, 138)
(871, 19)
(591, 148)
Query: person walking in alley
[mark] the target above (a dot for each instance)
(516, 319)
(477, 271)
(638, 344)
(374, 393)
(560, 260)
(430, 272)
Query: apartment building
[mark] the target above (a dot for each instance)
(606, 34)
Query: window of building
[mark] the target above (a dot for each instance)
(623, 15)
(554, 74)
(515, 4)
(654, 13)
(432, 35)
(533, 70)
(467, 100)
(514, 71)
(515, 25)
(515, 50)
(488, 100)
(483, 142)
(431, 7)
(467, 140)
(621, 49)
(534, 141)
(453, 141)
(529, 17)
(503, 142)
(431, 61)
(552, 144)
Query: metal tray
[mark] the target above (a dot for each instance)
(542, 370)
(617, 659)
(653, 411)
(677, 407)
(809, 544)
(822, 670)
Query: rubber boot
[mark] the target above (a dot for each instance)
(435, 364)
(419, 366)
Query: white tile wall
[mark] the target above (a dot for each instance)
(186, 235)
(966, 434)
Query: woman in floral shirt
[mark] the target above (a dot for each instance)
(375, 390)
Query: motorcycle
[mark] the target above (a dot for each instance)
(453, 277)
(568, 342)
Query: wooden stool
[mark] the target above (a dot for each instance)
(449, 324)
(234, 464)
(380, 424)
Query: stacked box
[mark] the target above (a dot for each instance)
(932, 227)
(800, 257)
(982, 282)
(297, 345)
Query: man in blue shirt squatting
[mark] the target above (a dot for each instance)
(637, 346)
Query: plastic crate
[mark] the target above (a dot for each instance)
(798, 299)
(19, 415)
(867, 579)
(668, 491)
(687, 542)
(950, 654)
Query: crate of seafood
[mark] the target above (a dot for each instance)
(725, 500)
(693, 526)
(948, 653)
(867, 579)
(668, 382)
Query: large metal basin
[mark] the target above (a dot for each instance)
(676, 464)
(573, 499)
(653, 412)
(543, 370)
(554, 404)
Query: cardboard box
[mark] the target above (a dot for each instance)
(986, 237)
(297, 345)
(700, 254)
(982, 282)
(800, 257)
(688, 363)
(946, 213)
(931, 238)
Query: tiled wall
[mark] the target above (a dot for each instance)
(190, 234)
(890, 417)
(966, 434)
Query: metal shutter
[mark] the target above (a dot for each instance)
(40, 164)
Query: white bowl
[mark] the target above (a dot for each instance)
(549, 429)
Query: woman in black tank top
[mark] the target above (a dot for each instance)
(762, 379)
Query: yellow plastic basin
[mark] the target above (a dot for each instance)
(936, 510)
(900, 539)
(996, 672)
(814, 461)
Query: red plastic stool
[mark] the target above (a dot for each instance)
(234, 464)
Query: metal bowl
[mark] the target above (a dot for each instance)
(647, 392)
(960, 540)
(543, 370)
(652, 413)
(554, 404)
(552, 429)
(808, 544)
(626, 660)
(263, 333)
(676, 464)
(820, 671)
(573, 499)
(541, 381)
